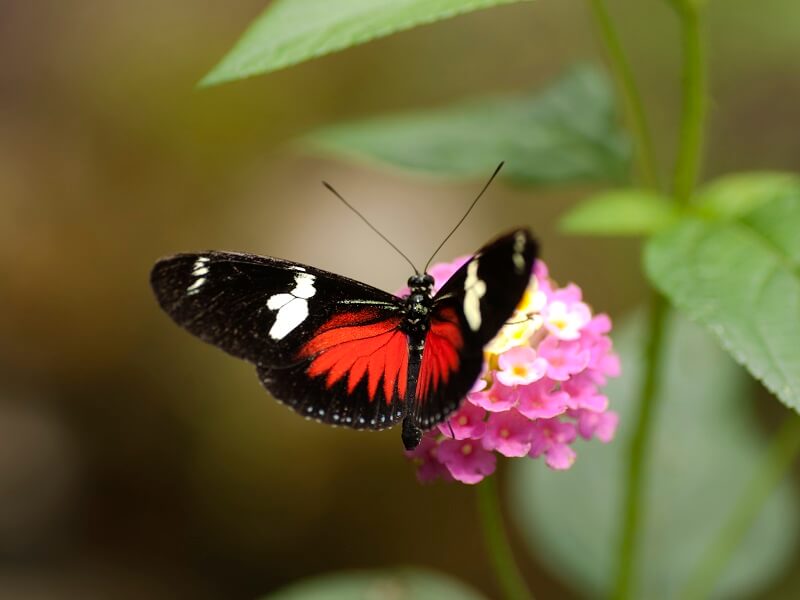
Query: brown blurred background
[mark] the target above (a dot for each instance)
(136, 462)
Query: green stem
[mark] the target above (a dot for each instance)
(687, 167)
(502, 557)
(780, 455)
(639, 449)
(686, 173)
(626, 85)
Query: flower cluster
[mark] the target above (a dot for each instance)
(539, 390)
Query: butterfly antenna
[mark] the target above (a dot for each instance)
(471, 206)
(453, 435)
(370, 225)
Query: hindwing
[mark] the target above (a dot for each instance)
(468, 311)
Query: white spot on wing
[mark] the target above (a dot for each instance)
(519, 247)
(279, 301)
(199, 270)
(304, 286)
(292, 307)
(200, 265)
(474, 290)
(195, 287)
(289, 316)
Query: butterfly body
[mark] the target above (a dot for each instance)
(340, 351)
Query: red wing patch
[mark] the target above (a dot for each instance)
(440, 357)
(360, 344)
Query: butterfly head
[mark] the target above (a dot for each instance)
(420, 283)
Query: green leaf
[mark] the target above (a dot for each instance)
(291, 31)
(568, 132)
(741, 279)
(706, 449)
(620, 212)
(405, 584)
(734, 195)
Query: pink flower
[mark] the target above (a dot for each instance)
(601, 425)
(552, 438)
(599, 325)
(468, 422)
(520, 366)
(539, 389)
(582, 393)
(543, 400)
(498, 398)
(480, 384)
(565, 321)
(542, 276)
(426, 456)
(466, 460)
(569, 294)
(509, 433)
(564, 359)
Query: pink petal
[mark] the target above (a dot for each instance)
(466, 460)
(426, 458)
(468, 422)
(560, 457)
(498, 398)
(541, 401)
(508, 433)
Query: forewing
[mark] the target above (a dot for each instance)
(468, 311)
(257, 308)
(327, 346)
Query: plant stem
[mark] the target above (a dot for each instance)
(639, 448)
(685, 177)
(780, 455)
(687, 167)
(627, 88)
(502, 557)
(639, 445)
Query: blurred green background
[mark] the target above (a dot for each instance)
(136, 462)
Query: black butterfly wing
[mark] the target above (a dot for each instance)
(328, 346)
(468, 311)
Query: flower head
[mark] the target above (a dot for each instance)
(539, 390)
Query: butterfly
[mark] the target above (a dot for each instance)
(343, 352)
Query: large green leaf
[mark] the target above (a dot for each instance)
(291, 31)
(621, 212)
(741, 279)
(405, 584)
(706, 449)
(568, 132)
(737, 194)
